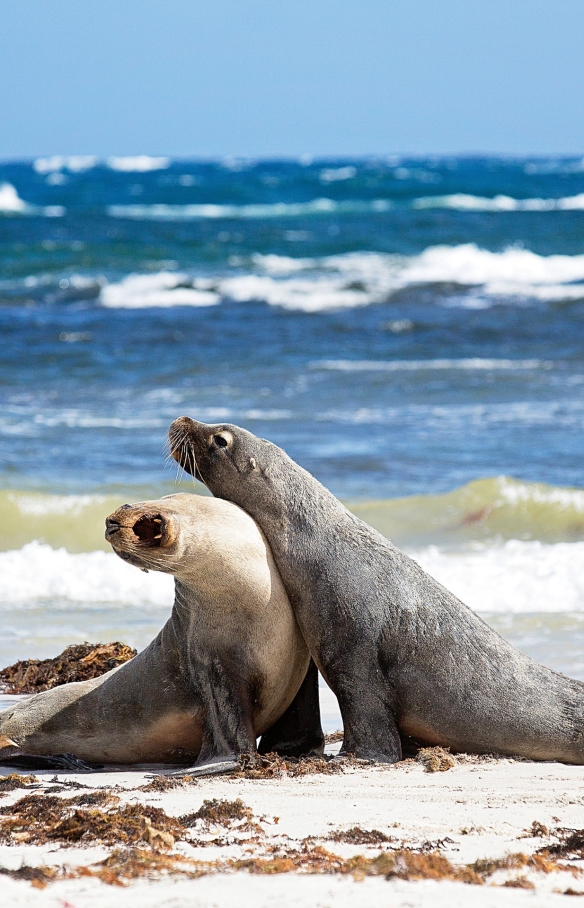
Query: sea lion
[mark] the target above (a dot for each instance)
(229, 665)
(402, 654)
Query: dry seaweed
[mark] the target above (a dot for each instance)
(570, 844)
(14, 780)
(38, 819)
(37, 876)
(129, 863)
(163, 783)
(358, 836)
(333, 737)
(125, 864)
(80, 662)
(435, 759)
(221, 812)
(520, 882)
(272, 766)
(537, 830)
(539, 861)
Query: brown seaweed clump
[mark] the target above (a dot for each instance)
(125, 864)
(38, 819)
(435, 759)
(570, 844)
(221, 812)
(358, 836)
(272, 766)
(38, 877)
(80, 662)
(162, 783)
(14, 780)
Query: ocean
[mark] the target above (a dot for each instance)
(410, 330)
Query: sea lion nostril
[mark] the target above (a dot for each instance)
(149, 529)
(111, 526)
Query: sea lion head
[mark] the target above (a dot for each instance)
(186, 535)
(147, 534)
(233, 463)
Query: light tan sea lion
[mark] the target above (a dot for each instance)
(229, 665)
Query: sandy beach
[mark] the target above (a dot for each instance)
(289, 835)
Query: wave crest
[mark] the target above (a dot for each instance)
(483, 278)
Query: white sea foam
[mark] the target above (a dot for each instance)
(11, 203)
(362, 278)
(38, 572)
(141, 163)
(165, 288)
(515, 577)
(73, 163)
(337, 174)
(462, 202)
(415, 365)
(244, 212)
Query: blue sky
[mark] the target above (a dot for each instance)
(262, 78)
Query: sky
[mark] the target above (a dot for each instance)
(261, 78)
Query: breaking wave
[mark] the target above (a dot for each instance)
(462, 202)
(164, 212)
(12, 204)
(486, 510)
(39, 572)
(470, 276)
(515, 577)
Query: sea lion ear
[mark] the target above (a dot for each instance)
(252, 463)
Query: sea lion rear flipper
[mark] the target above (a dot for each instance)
(299, 731)
(206, 769)
(66, 762)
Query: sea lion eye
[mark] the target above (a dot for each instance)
(220, 441)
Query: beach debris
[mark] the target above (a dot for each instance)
(163, 783)
(14, 780)
(37, 876)
(233, 815)
(272, 766)
(334, 737)
(570, 844)
(220, 812)
(357, 836)
(125, 864)
(435, 759)
(38, 819)
(79, 662)
(520, 882)
(537, 830)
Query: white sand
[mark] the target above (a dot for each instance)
(485, 808)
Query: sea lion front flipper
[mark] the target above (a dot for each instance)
(299, 731)
(370, 727)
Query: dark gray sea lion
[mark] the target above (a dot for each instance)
(229, 665)
(402, 654)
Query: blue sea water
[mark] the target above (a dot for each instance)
(400, 326)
